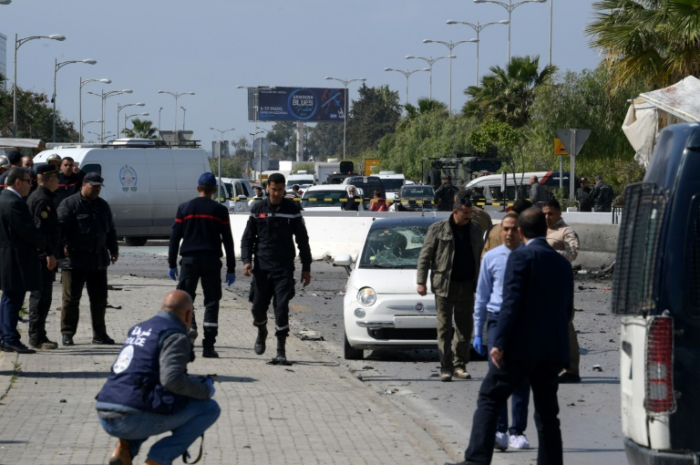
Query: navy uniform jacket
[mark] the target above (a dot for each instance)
(43, 211)
(20, 241)
(538, 301)
(203, 225)
(68, 185)
(270, 233)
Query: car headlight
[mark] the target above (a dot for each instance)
(366, 296)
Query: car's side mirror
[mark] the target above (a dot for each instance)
(345, 261)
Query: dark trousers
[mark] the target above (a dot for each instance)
(521, 395)
(10, 305)
(266, 285)
(453, 341)
(208, 270)
(39, 306)
(498, 385)
(73, 282)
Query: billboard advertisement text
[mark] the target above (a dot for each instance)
(297, 104)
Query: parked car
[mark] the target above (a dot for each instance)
(368, 184)
(381, 308)
(415, 198)
(325, 197)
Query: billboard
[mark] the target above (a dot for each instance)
(297, 104)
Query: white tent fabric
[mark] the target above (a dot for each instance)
(655, 110)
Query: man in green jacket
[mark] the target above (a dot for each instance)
(451, 252)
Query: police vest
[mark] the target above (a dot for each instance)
(134, 380)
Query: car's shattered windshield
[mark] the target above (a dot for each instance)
(393, 247)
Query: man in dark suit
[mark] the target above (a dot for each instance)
(19, 261)
(531, 342)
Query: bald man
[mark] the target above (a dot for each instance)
(149, 392)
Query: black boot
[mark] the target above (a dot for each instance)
(281, 353)
(209, 352)
(260, 341)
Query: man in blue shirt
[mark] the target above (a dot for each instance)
(487, 308)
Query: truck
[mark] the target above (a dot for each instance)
(656, 292)
(461, 167)
(333, 172)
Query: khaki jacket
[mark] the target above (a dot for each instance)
(493, 241)
(482, 218)
(438, 253)
(564, 240)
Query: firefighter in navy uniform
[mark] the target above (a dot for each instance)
(203, 225)
(70, 180)
(267, 250)
(41, 206)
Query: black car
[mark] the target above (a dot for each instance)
(368, 184)
(415, 198)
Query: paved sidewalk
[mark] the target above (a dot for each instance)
(314, 412)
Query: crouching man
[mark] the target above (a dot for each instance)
(149, 392)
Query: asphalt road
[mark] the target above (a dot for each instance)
(590, 411)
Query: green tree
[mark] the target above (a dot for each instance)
(375, 114)
(425, 105)
(34, 117)
(141, 129)
(508, 94)
(325, 140)
(242, 148)
(653, 41)
(284, 135)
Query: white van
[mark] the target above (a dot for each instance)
(143, 183)
(300, 178)
(491, 186)
(238, 191)
(392, 183)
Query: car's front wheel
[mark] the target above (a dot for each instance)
(350, 352)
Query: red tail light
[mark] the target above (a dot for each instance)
(660, 398)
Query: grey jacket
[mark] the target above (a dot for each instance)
(538, 193)
(438, 253)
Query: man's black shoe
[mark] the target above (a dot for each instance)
(106, 340)
(209, 352)
(260, 341)
(19, 348)
(569, 378)
(67, 340)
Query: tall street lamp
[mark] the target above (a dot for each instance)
(256, 91)
(345, 83)
(222, 138)
(478, 27)
(128, 117)
(509, 7)
(83, 124)
(80, 99)
(430, 62)
(56, 67)
(184, 116)
(176, 95)
(121, 107)
(159, 112)
(407, 73)
(450, 46)
(18, 43)
(104, 96)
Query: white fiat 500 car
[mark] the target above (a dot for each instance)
(381, 308)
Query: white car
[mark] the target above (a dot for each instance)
(325, 197)
(382, 308)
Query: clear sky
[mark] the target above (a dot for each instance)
(211, 46)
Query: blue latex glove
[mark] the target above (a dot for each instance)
(210, 384)
(230, 278)
(479, 346)
(172, 273)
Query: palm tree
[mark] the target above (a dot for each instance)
(142, 129)
(425, 106)
(656, 42)
(507, 94)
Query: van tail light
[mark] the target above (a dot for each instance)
(660, 398)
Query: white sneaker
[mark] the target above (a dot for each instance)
(519, 442)
(501, 441)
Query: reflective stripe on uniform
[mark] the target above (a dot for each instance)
(282, 328)
(210, 325)
(275, 215)
(206, 217)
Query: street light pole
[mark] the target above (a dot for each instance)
(176, 95)
(80, 100)
(18, 43)
(56, 67)
(104, 96)
(407, 74)
(222, 139)
(345, 83)
(82, 125)
(256, 91)
(478, 28)
(450, 46)
(551, 29)
(121, 107)
(509, 7)
(184, 116)
(430, 62)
